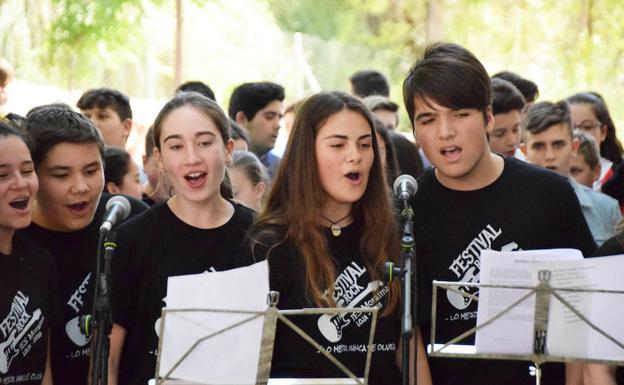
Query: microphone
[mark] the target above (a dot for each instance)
(117, 209)
(405, 186)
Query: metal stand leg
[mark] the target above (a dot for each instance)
(536, 371)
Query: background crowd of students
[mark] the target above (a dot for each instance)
(213, 193)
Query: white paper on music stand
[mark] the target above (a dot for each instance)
(228, 358)
(572, 337)
(513, 332)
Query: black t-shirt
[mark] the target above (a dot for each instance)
(152, 247)
(29, 306)
(612, 246)
(343, 335)
(75, 254)
(525, 208)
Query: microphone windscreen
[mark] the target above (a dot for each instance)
(123, 203)
(405, 184)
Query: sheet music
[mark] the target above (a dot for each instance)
(567, 335)
(513, 332)
(604, 310)
(231, 357)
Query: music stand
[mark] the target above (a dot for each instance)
(543, 292)
(271, 315)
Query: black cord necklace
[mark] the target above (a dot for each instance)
(335, 229)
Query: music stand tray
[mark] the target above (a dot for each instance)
(271, 315)
(450, 348)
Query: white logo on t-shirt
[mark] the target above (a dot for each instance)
(348, 293)
(466, 266)
(20, 330)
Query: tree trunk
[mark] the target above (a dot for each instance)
(586, 16)
(177, 77)
(434, 22)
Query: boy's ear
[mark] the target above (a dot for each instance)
(127, 126)
(241, 119)
(595, 172)
(489, 116)
(112, 188)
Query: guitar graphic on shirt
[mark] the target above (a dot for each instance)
(8, 349)
(331, 325)
(456, 299)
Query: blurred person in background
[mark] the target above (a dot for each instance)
(589, 113)
(369, 82)
(157, 189)
(240, 137)
(257, 107)
(507, 105)
(111, 113)
(249, 179)
(6, 76)
(384, 109)
(121, 175)
(197, 86)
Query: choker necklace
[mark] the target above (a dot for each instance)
(335, 229)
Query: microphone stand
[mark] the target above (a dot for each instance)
(101, 318)
(408, 280)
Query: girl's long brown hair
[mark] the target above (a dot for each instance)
(297, 197)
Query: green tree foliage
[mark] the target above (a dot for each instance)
(378, 23)
(92, 34)
(566, 46)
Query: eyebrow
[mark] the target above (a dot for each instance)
(67, 168)
(273, 113)
(337, 136)
(24, 163)
(178, 136)
(423, 115)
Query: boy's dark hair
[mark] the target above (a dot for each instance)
(15, 120)
(149, 142)
(106, 98)
(407, 155)
(527, 88)
(9, 128)
(543, 115)
(588, 148)
(506, 97)
(252, 97)
(117, 163)
(378, 102)
(449, 75)
(238, 132)
(52, 124)
(369, 82)
(197, 86)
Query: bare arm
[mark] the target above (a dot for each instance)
(422, 364)
(573, 373)
(423, 376)
(47, 375)
(598, 374)
(117, 339)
